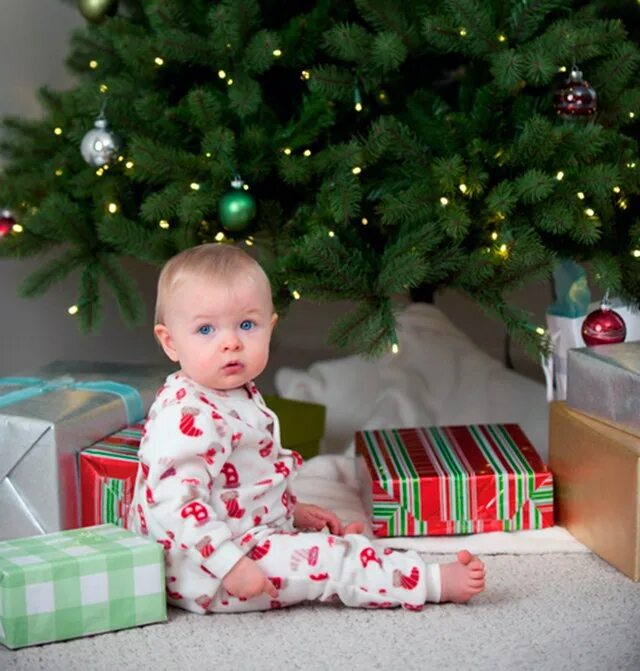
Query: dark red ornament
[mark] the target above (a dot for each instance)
(6, 223)
(576, 97)
(603, 326)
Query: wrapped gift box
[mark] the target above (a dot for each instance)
(45, 421)
(108, 468)
(596, 467)
(76, 583)
(604, 381)
(301, 424)
(107, 475)
(453, 480)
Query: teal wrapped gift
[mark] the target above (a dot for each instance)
(46, 418)
(76, 583)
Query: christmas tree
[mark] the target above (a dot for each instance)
(363, 149)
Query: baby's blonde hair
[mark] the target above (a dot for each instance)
(215, 262)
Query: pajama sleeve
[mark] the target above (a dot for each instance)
(185, 449)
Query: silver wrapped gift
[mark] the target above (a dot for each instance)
(46, 418)
(604, 381)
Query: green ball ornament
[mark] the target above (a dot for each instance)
(237, 208)
(96, 11)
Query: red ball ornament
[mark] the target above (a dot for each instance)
(576, 98)
(603, 327)
(6, 223)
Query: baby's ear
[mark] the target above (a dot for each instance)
(274, 319)
(166, 341)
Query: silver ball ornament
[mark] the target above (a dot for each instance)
(99, 146)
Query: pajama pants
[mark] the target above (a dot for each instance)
(308, 566)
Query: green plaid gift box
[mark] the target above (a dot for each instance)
(76, 583)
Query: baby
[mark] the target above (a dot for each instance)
(214, 482)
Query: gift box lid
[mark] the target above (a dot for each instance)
(604, 381)
(455, 473)
(123, 444)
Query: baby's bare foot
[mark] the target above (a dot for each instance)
(462, 579)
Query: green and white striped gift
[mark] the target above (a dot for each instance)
(76, 583)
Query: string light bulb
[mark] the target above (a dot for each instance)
(287, 151)
(463, 188)
(331, 234)
(306, 152)
(580, 195)
(463, 32)
(59, 172)
(245, 187)
(229, 82)
(17, 228)
(163, 223)
(158, 61)
(616, 189)
(444, 201)
(635, 253)
(494, 235)
(103, 88)
(305, 74)
(72, 309)
(195, 186)
(540, 331)
(589, 212)
(222, 74)
(128, 165)
(112, 208)
(394, 348)
(220, 236)
(93, 64)
(364, 221)
(277, 53)
(560, 175)
(296, 294)
(57, 130)
(502, 38)
(356, 170)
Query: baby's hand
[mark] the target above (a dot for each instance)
(246, 580)
(309, 516)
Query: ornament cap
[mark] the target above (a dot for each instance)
(100, 122)
(237, 182)
(575, 74)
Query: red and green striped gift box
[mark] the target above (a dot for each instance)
(447, 480)
(107, 474)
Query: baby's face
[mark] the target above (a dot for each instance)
(220, 333)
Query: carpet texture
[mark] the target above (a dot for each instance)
(555, 611)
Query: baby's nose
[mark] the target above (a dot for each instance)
(231, 342)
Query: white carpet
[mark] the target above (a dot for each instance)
(552, 612)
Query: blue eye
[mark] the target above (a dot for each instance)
(247, 325)
(206, 329)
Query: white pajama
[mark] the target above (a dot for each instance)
(213, 485)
